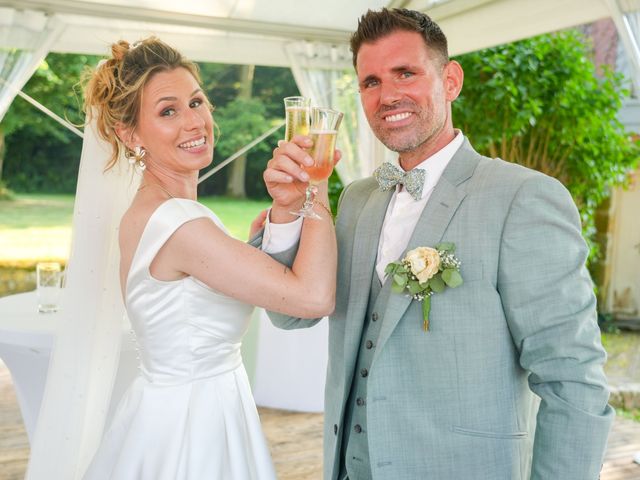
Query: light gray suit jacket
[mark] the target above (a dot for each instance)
(455, 403)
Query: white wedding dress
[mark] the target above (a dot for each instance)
(190, 414)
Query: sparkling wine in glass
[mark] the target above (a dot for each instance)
(297, 115)
(323, 132)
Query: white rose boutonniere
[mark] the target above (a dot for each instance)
(425, 271)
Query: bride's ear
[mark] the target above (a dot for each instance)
(125, 135)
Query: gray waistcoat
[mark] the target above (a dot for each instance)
(354, 452)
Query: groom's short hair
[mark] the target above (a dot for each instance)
(377, 24)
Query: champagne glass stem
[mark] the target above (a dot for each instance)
(307, 207)
(310, 193)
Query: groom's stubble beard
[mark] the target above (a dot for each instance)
(427, 125)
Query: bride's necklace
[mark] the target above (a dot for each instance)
(157, 185)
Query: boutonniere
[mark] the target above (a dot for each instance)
(425, 271)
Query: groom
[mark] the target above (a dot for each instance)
(453, 402)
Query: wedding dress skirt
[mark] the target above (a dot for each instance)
(190, 414)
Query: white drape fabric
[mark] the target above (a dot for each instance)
(633, 25)
(325, 74)
(86, 351)
(29, 34)
(626, 16)
(290, 366)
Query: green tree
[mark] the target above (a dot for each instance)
(240, 125)
(271, 85)
(540, 103)
(235, 184)
(40, 153)
(239, 122)
(220, 82)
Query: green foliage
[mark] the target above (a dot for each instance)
(5, 193)
(631, 414)
(34, 163)
(55, 85)
(606, 323)
(540, 103)
(335, 190)
(41, 155)
(240, 121)
(271, 85)
(220, 82)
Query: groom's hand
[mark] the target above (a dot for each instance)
(258, 223)
(286, 179)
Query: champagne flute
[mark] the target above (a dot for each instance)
(323, 132)
(296, 111)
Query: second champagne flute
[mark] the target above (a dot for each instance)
(296, 110)
(323, 132)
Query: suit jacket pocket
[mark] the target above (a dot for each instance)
(482, 433)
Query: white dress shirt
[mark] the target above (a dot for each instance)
(404, 212)
(400, 220)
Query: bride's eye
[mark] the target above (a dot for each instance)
(167, 112)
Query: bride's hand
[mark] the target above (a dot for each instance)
(286, 179)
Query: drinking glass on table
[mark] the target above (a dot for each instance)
(296, 111)
(48, 286)
(323, 132)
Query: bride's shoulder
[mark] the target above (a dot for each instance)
(134, 221)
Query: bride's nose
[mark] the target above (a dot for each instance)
(193, 119)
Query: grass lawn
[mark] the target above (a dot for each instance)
(38, 227)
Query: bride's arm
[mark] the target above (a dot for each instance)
(307, 289)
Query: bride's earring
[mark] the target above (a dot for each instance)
(135, 157)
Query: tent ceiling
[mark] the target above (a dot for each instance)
(257, 31)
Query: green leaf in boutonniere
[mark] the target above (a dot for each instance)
(446, 247)
(425, 271)
(414, 287)
(401, 279)
(452, 277)
(437, 284)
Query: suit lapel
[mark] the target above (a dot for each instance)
(436, 216)
(365, 252)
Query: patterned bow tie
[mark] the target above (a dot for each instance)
(388, 176)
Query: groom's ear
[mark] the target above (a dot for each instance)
(453, 79)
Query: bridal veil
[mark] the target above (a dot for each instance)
(86, 350)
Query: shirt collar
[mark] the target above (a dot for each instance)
(435, 165)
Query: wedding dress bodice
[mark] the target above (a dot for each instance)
(185, 330)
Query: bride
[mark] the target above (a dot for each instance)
(188, 286)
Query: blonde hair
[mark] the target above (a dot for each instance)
(113, 91)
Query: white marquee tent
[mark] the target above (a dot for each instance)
(257, 31)
(261, 32)
(309, 37)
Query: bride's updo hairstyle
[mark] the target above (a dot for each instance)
(113, 91)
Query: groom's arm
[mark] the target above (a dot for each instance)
(548, 299)
(280, 241)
